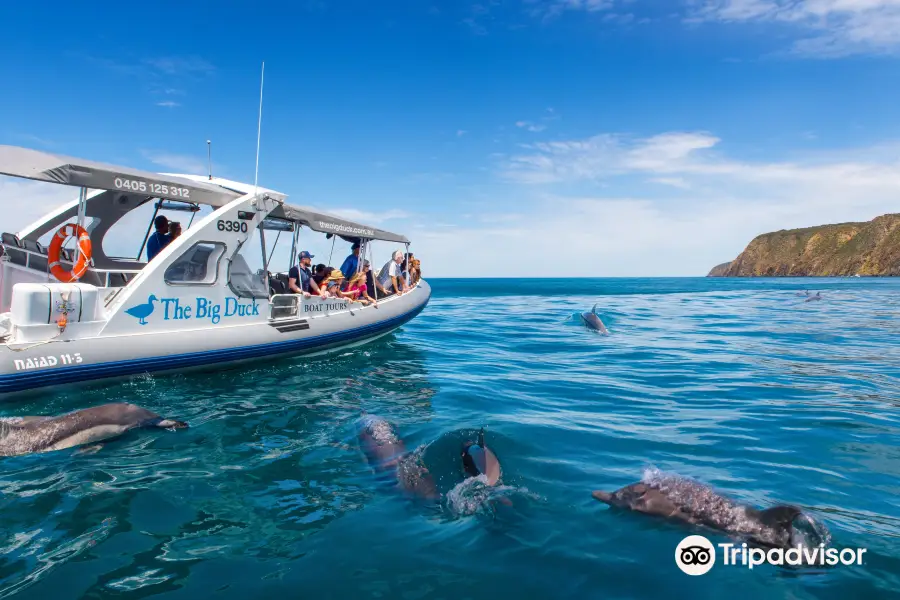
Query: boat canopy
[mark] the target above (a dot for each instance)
(44, 166)
(325, 223)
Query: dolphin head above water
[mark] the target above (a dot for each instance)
(478, 459)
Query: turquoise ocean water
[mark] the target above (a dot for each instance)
(738, 383)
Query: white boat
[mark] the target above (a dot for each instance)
(197, 304)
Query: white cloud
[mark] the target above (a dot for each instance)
(603, 155)
(553, 8)
(168, 104)
(183, 163)
(528, 125)
(689, 154)
(181, 65)
(834, 28)
(366, 217)
(707, 209)
(677, 182)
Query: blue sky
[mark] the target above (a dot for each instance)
(573, 137)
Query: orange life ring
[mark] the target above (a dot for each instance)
(84, 256)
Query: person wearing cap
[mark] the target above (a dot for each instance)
(351, 263)
(332, 286)
(300, 279)
(160, 238)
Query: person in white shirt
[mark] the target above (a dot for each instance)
(390, 277)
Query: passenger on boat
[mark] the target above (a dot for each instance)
(359, 290)
(160, 238)
(351, 263)
(174, 229)
(390, 276)
(415, 269)
(326, 273)
(372, 283)
(333, 286)
(300, 274)
(319, 274)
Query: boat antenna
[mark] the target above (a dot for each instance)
(209, 157)
(259, 127)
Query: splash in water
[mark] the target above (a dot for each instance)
(474, 496)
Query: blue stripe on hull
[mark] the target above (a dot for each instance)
(25, 381)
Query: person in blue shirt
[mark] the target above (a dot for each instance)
(160, 238)
(351, 263)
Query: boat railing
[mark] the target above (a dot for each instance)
(32, 255)
(287, 306)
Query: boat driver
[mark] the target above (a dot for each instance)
(160, 238)
(301, 274)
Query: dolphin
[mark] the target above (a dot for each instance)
(593, 321)
(803, 293)
(478, 459)
(682, 500)
(387, 454)
(818, 296)
(27, 435)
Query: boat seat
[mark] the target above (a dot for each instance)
(93, 278)
(10, 239)
(117, 280)
(34, 246)
(13, 249)
(277, 286)
(37, 260)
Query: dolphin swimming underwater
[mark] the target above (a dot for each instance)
(478, 459)
(387, 454)
(683, 500)
(26, 435)
(593, 321)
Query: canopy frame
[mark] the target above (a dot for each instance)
(52, 168)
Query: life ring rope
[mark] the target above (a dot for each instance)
(84, 255)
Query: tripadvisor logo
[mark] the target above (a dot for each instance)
(696, 555)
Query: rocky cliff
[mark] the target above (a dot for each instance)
(719, 270)
(871, 248)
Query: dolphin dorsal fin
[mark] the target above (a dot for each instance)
(779, 516)
(594, 309)
(481, 437)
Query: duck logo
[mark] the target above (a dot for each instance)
(142, 311)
